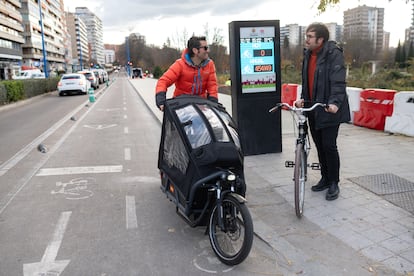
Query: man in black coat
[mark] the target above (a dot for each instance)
(323, 81)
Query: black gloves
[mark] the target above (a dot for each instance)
(160, 98)
(213, 99)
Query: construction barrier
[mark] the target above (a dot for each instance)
(402, 119)
(375, 105)
(289, 93)
(354, 94)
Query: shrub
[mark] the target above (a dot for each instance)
(3, 94)
(15, 90)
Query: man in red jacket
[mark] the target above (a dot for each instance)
(193, 74)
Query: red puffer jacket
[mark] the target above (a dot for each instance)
(190, 79)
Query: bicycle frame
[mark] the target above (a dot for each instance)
(302, 150)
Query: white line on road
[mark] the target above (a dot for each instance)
(125, 116)
(126, 130)
(28, 148)
(127, 154)
(48, 264)
(79, 170)
(131, 214)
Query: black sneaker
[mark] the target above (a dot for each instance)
(322, 185)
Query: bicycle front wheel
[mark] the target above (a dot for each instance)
(232, 243)
(300, 178)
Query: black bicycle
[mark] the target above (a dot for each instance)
(302, 150)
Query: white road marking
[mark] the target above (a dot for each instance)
(48, 265)
(125, 116)
(99, 127)
(26, 178)
(79, 170)
(131, 214)
(126, 130)
(127, 154)
(25, 151)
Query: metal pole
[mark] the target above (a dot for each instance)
(128, 57)
(43, 40)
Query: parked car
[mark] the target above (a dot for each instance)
(73, 83)
(91, 77)
(30, 74)
(98, 73)
(105, 75)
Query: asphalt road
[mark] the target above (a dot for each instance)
(91, 203)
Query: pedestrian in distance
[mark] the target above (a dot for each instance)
(193, 74)
(323, 81)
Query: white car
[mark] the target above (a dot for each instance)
(73, 83)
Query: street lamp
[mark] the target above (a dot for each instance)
(43, 40)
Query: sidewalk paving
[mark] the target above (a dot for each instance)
(374, 214)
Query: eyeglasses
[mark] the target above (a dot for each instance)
(203, 47)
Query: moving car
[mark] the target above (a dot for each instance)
(91, 77)
(73, 83)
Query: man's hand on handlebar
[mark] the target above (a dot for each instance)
(299, 103)
(332, 108)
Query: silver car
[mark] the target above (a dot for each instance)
(73, 83)
(91, 77)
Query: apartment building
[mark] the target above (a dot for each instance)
(79, 42)
(365, 23)
(94, 33)
(53, 34)
(11, 38)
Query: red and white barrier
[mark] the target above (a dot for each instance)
(289, 93)
(402, 119)
(375, 105)
(354, 94)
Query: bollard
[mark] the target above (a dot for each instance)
(91, 95)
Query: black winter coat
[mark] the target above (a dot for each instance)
(329, 85)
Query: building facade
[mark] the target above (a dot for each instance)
(11, 38)
(53, 35)
(94, 33)
(79, 42)
(365, 23)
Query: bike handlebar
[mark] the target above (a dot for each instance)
(294, 108)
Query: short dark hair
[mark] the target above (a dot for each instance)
(194, 42)
(320, 30)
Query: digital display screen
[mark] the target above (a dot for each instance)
(257, 59)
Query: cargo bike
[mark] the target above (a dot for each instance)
(201, 168)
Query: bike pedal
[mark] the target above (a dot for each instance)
(315, 166)
(289, 164)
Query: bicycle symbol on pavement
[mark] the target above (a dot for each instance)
(75, 189)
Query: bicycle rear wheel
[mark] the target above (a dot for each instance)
(300, 178)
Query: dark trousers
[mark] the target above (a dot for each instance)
(325, 141)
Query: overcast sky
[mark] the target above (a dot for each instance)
(159, 19)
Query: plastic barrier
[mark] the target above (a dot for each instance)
(354, 94)
(402, 119)
(375, 105)
(289, 93)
